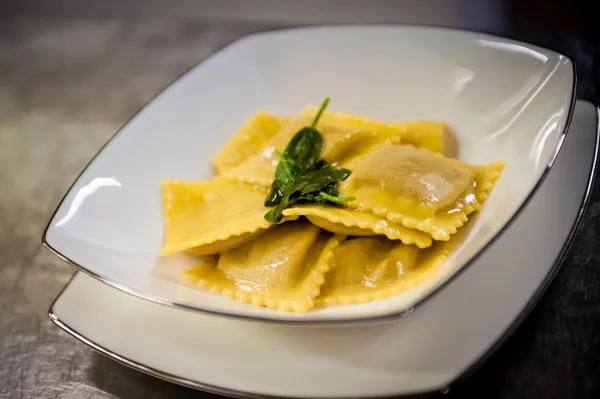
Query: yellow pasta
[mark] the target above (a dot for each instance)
(248, 140)
(348, 222)
(423, 134)
(346, 148)
(259, 168)
(351, 236)
(212, 216)
(365, 269)
(346, 137)
(420, 189)
(282, 269)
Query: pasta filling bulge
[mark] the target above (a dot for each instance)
(420, 189)
(365, 269)
(282, 269)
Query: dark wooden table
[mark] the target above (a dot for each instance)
(67, 84)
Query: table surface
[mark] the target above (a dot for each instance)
(66, 85)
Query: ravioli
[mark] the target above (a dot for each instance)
(211, 216)
(420, 189)
(248, 140)
(348, 222)
(423, 134)
(365, 269)
(346, 137)
(283, 269)
(347, 148)
(259, 168)
(348, 122)
(378, 229)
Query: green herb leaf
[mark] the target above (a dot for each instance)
(302, 176)
(307, 186)
(311, 198)
(320, 164)
(329, 194)
(321, 110)
(305, 147)
(318, 179)
(335, 198)
(274, 215)
(286, 173)
(302, 152)
(332, 190)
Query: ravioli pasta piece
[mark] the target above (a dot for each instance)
(259, 167)
(348, 222)
(283, 269)
(346, 121)
(348, 136)
(248, 140)
(345, 136)
(365, 269)
(429, 135)
(354, 145)
(211, 216)
(420, 189)
(422, 134)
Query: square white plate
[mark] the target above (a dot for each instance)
(503, 99)
(426, 351)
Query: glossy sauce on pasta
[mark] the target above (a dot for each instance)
(409, 201)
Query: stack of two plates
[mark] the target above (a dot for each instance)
(503, 99)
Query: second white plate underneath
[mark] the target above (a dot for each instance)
(425, 351)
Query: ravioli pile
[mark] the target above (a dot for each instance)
(404, 201)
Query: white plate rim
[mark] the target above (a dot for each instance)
(575, 228)
(393, 315)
